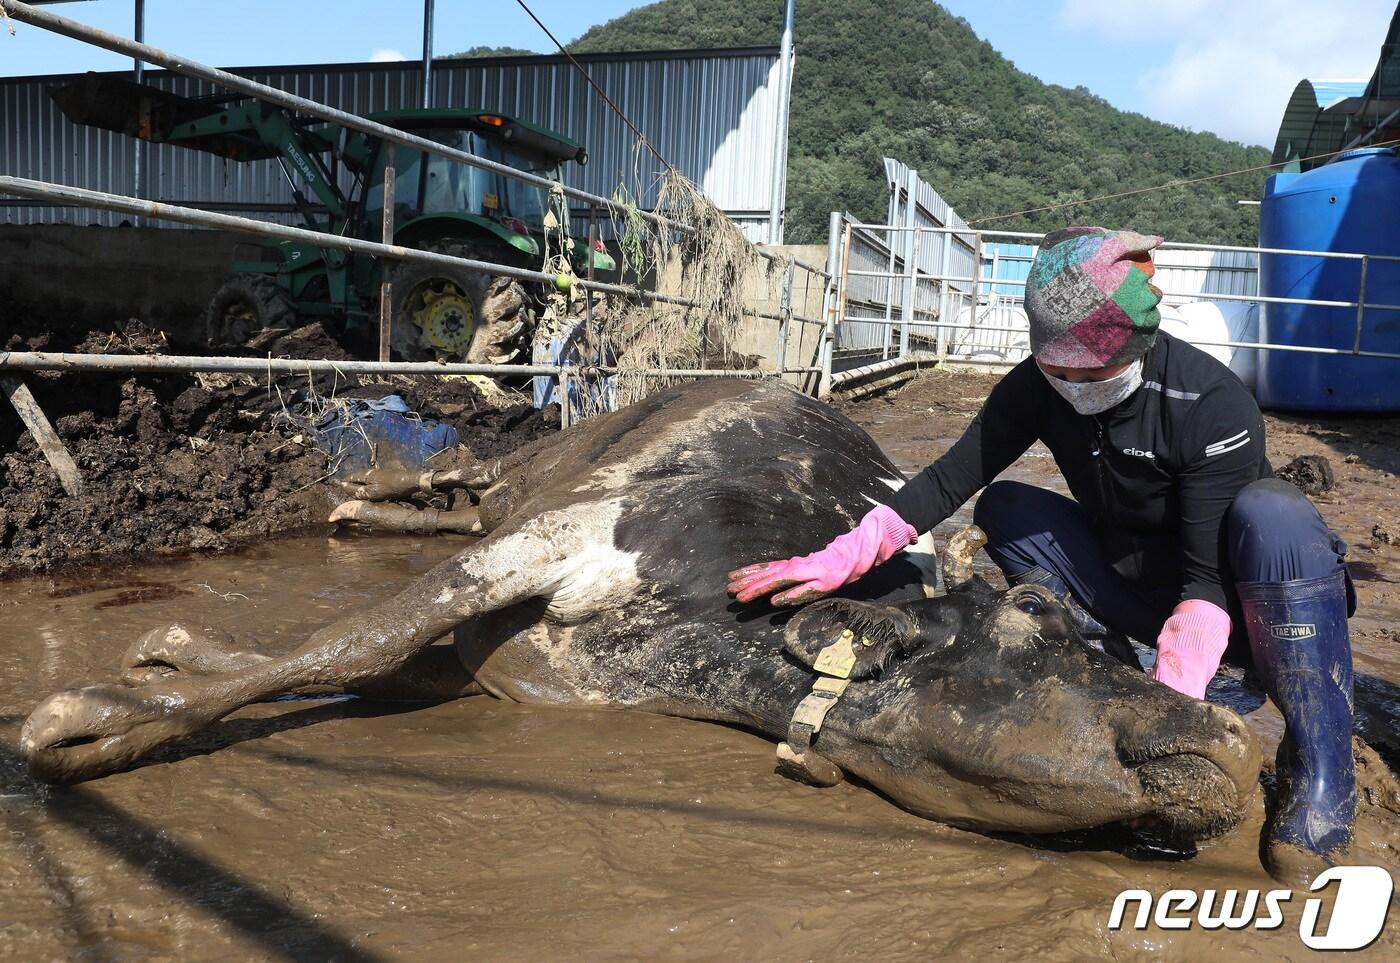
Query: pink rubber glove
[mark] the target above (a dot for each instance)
(1190, 645)
(879, 535)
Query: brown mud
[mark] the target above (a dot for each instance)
(175, 464)
(343, 829)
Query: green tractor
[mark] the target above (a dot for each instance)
(438, 205)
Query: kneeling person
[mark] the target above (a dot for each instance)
(1178, 531)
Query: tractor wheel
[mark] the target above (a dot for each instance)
(446, 313)
(243, 307)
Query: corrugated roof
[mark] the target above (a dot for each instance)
(1325, 116)
(1306, 129)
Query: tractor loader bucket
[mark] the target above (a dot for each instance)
(144, 112)
(113, 104)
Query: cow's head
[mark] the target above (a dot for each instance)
(987, 709)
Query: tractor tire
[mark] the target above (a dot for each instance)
(245, 306)
(449, 314)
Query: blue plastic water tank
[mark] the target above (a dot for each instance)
(1348, 205)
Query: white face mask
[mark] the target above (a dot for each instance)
(1096, 397)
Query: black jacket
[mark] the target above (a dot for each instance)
(1157, 472)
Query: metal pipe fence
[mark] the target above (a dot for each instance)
(978, 319)
(123, 204)
(207, 364)
(1214, 296)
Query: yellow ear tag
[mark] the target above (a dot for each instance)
(838, 658)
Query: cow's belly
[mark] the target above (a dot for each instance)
(517, 654)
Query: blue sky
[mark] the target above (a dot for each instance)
(1204, 64)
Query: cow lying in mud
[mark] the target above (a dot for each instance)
(600, 582)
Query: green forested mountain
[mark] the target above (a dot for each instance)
(481, 50)
(905, 78)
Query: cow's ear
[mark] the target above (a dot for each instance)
(873, 634)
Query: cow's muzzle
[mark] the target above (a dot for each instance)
(1200, 769)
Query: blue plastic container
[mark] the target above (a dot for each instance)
(1352, 205)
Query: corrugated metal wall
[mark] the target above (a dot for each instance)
(1012, 262)
(713, 114)
(1196, 275)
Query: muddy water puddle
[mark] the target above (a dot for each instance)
(344, 829)
(350, 830)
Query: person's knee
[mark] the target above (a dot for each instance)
(1263, 503)
(1275, 533)
(1000, 506)
(1013, 516)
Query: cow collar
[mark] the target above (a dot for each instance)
(796, 757)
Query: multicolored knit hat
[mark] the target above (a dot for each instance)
(1089, 298)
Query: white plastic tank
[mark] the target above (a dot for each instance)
(1001, 334)
(1207, 323)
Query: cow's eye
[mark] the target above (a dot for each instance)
(1030, 605)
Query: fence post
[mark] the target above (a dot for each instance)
(592, 240)
(913, 293)
(840, 318)
(888, 281)
(835, 294)
(976, 283)
(906, 310)
(386, 309)
(1361, 303)
(785, 325)
(943, 299)
(564, 403)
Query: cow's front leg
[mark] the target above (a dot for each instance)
(387, 484)
(83, 733)
(404, 518)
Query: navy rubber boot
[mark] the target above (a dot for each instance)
(1298, 634)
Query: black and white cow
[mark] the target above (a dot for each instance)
(600, 582)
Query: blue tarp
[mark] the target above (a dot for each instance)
(360, 433)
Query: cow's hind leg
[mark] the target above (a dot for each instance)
(183, 648)
(83, 733)
(435, 674)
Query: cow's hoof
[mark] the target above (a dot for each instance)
(347, 511)
(84, 733)
(179, 648)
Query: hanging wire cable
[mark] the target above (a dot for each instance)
(1171, 184)
(1167, 185)
(594, 84)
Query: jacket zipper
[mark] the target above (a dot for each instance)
(1099, 441)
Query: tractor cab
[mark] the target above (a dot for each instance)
(435, 196)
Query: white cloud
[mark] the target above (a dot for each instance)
(1229, 67)
(387, 56)
(1113, 18)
